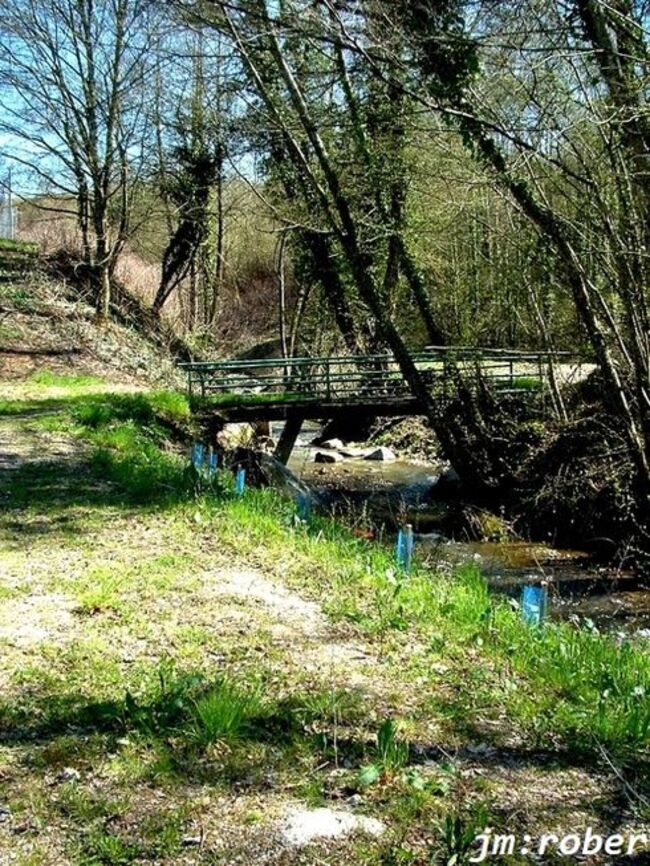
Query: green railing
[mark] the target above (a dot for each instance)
(355, 378)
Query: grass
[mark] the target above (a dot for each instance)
(69, 381)
(579, 682)
(226, 714)
(101, 593)
(167, 692)
(232, 400)
(521, 383)
(10, 246)
(76, 398)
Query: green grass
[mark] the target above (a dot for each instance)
(95, 410)
(69, 381)
(226, 714)
(10, 246)
(101, 592)
(143, 703)
(527, 383)
(214, 401)
(573, 682)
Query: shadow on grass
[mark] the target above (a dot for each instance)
(119, 455)
(99, 407)
(198, 727)
(192, 712)
(239, 733)
(185, 704)
(485, 748)
(102, 479)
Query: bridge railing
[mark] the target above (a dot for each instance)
(374, 377)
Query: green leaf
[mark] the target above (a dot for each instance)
(369, 775)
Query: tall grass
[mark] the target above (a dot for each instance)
(227, 713)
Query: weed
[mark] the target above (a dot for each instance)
(100, 592)
(391, 755)
(329, 705)
(93, 414)
(169, 706)
(226, 714)
(458, 830)
(142, 471)
(163, 833)
(86, 806)
(18, 296)
(107, 849)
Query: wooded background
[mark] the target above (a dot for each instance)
(314, 176)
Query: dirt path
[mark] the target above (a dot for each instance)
(247, 614)
(22, 442)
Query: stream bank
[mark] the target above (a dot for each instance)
(377, 496)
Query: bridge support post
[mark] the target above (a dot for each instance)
(288, 438)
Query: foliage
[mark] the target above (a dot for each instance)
(160, 693)
(226, 713)
(392, 755)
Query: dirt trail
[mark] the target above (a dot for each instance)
(22, 443)
(238, 605)
(298, 624)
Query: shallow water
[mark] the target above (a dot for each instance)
(394, 492)
(616, 601)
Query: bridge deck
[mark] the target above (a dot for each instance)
(328, 386)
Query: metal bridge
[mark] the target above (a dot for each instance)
(354, 379)
(295, 389)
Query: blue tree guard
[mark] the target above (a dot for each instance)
(303, 506)
(534, 602)
(404, 548)
(213, 463)
(198, 453)
(240, 480)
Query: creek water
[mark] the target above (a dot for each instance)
(379, 496)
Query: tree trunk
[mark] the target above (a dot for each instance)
(104, 294)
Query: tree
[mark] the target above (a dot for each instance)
(72, 80)
(305, 110)
(337, 102)
(196, 122)
(550, 99)
(547, 149)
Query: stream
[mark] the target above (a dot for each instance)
(385, 494)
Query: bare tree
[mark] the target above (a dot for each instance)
(295, 111)
(565, 132)
(72, 78)
(543, 95)
(196, 125)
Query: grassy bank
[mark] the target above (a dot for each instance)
(578, 684)
(160, 689)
